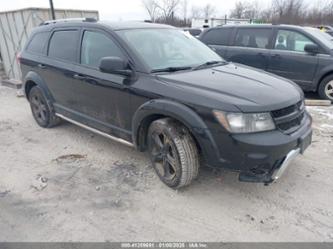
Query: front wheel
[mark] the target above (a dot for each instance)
(325, 90)
(173, 153)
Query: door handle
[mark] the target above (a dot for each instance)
(276, 56)
(79, 77)
(41, 66)
(261, 54)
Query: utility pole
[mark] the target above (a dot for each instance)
(52, 10)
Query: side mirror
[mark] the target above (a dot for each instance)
(114, 65)
(311, 49)
(195, 32)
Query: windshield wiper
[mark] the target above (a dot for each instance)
(209, 63)
(170, 69)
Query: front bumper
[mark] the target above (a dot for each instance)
(263, 157)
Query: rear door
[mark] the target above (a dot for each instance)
(57, 67)
(251, 46)
(288, 58)
(218, 39)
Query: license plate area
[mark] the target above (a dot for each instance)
(305, 141)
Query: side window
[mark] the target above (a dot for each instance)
(63, 45)
(217, 37)
(38, 43)
(253, 38)
(95, 46)
(291, 40)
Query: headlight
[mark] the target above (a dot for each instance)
(245, 122)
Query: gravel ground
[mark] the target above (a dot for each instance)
(67, 184)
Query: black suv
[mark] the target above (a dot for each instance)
(163, 91)
(301, 54)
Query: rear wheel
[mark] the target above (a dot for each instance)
(325, 90)
(173, 153)
(41, 110)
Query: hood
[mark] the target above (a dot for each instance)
(248, 89)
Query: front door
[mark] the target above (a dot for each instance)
(289, 60)
(102, 99)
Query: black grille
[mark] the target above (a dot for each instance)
(291, 124)
(290, 118)
(286, 111)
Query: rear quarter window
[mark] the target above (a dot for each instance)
(38, 43)
(63, 45)
(217, 36)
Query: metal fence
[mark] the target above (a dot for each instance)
(213, 22)
(15, 27)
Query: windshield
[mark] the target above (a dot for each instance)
(168, 48)
(322, 36)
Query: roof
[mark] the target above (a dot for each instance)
(110, 25)
(260, 26)
(132, 25)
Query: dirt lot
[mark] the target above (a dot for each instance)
(67, 184)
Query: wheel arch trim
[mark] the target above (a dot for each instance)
(327, 71)
(34, 77)
(167, 108)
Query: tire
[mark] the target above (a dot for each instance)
(325, 89)
(41, 110)
(173, 153)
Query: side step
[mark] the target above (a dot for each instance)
(119, 140)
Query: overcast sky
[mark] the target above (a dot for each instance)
(115, 9)
(124, 9)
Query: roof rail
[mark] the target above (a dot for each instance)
(84, 19)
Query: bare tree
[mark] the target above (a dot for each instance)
(329, 12)
(175, 12)
(168, 8)
(238, 10)
(163, 11)
(289, 11)
(252, 11)
(266, 15)
(245, 9)
(321, 12)
(208, 11)
(184, 5)
(196, 12)
(152, 8)
(317, 13)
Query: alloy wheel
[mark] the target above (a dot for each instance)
(329, 90)
(164, 156)
(39, 108)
